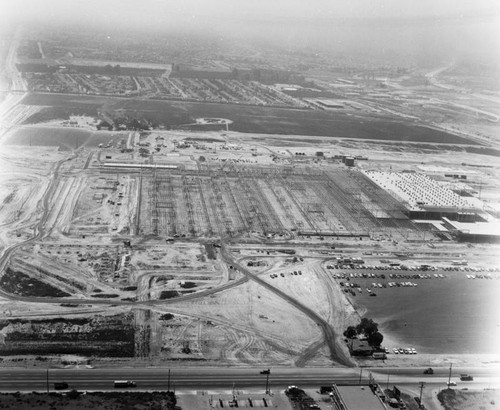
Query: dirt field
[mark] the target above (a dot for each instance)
(452, 399)
(213, 246)
(247, 119)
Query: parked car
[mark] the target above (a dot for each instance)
(429, 370)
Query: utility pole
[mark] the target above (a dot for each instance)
(422, 384)
(360, 374)
(267, 380)
(47, 380)
(387, 386)
(267, 373)
(168, 383)
(449, 376)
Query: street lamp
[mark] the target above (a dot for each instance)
(422, 384)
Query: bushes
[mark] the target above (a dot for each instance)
(111, 336)
(188, 285)
(168, 294)
(19, 283)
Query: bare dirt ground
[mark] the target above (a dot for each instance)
(453, 399)
(73, 224)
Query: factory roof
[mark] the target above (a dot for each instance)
(138, 165)
(476, 228)
(418, 192)
(360, 398)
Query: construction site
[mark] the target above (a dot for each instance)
(157, 214)
(209, 247)
(239, 200)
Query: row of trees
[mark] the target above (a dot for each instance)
(367, 328)
(126, 123)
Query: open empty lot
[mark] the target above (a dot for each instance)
(249, 119)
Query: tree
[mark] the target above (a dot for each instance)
(367, 327)
(375, 339)
(350, 332)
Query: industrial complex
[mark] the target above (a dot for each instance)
(234, 218)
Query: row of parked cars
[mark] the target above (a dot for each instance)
(416, 268)
(485, 276)
(282, 274)
(400, 350)
(343, 275)
(474, 269)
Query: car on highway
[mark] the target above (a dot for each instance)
(60, 386)
(452, 384)
(429, 370)
(124, 383)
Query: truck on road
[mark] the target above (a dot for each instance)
(466, 377)
(60, 385)
(124, 383)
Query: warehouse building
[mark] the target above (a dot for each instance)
(360, 397)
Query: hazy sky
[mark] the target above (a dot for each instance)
(145, 10)
(43, 9)
(439, 25)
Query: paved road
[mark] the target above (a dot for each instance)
(192, 379)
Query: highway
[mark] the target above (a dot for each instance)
(193, 379)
